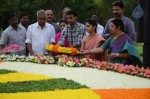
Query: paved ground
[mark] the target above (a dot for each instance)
(93, 78)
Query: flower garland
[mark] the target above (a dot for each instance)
(59, 49)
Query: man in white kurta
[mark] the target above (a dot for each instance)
(39, 34)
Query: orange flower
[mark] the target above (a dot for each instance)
(59, 49)
(74, 51)
(55, 48)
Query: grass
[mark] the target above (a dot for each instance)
(40, 85)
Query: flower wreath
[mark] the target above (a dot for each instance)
(59, 49)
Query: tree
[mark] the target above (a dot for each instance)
(84, 8)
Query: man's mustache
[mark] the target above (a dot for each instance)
(49, 17)
(115, 13)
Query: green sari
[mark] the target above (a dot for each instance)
(122, 44)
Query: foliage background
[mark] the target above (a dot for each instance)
(84, 8)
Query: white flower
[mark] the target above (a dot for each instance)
(70, 63)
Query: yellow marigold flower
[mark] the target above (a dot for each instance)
(59, 49)
(47, 47)
(16, 77)
(57, 94)
(50, 47)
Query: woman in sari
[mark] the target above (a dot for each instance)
(121, 47)
(92, 40)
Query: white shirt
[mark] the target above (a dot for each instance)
(38, 37)
(99, 29)
(21, 25)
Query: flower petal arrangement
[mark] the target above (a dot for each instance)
(64, 60)
(87, 62)
(18, 85)
(59, 49)
(40, 59)
(11, 48)
(22, 85)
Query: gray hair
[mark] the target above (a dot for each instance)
(40, 12)
(66, 9)
(48, 11)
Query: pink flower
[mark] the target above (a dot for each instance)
(148, 76)
(99, 65)
(41, 59)
(90, 61)
(142, 69)
(87, 65)
(10, 48)
(115, 66)
(36, 55)
(77, 61)
(104, 63)
(133, 73)
(121, 69)
(147, 71)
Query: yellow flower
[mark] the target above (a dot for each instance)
(57, 94)
(35, 60)
(60, 49)
(47, 47)
(16, 77)
(46, 62)
(57, 48)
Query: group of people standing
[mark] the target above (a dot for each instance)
(115, 42)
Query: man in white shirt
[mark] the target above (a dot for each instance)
(39, 34)
(100, 28)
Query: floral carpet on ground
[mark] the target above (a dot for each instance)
(7, 83)
(19, 85)
(82, 93)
